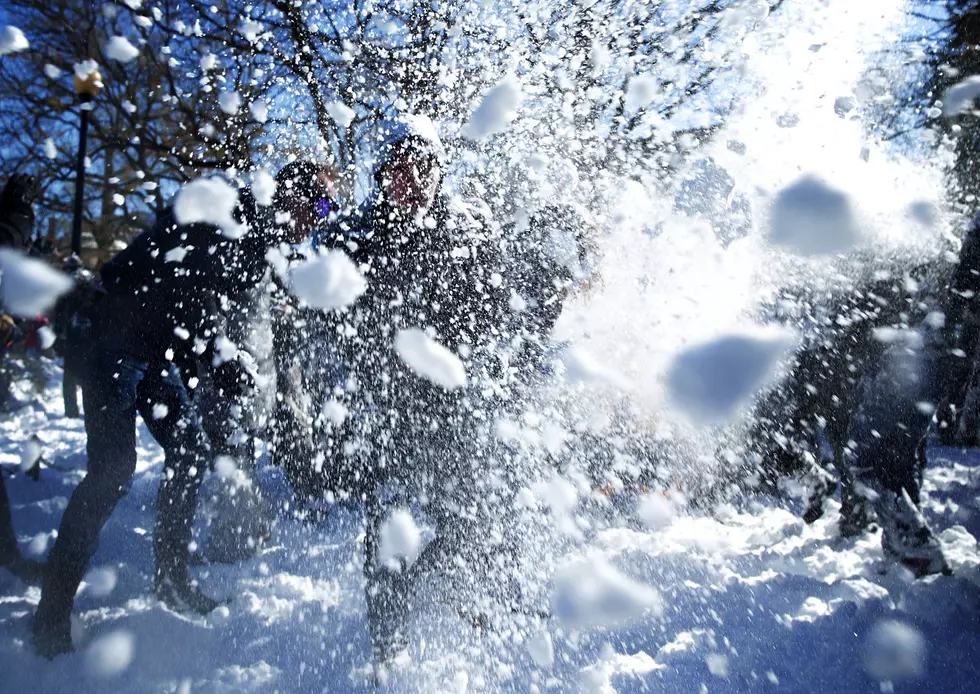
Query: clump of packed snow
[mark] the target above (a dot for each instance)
(894, 651)
(119, 48)
(263, 187)
(712, 380)
(401, 539)
(811, 218)
(209, 201)
(12, 40)
(342, 114)
(594, 593)
(29, 287)
(960, 96)
(496, 111)
(641, 91)
(230, 102)
(259, 111)
(50, 150)
(46, 337)
(429, 359)
(110, 655)
(328, 281)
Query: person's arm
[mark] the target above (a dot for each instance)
(17, 211)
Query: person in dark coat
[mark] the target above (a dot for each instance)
(429, 262)
(166, 293)
(16, 230)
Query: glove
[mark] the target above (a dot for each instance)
(21, 188)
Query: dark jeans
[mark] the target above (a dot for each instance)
(117, 385)
(8, 540)
(890, 427)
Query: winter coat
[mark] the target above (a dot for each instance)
(17, 212)
(171, 286)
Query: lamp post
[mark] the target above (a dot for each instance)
(87, 86)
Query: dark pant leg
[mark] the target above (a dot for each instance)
(69, 389)
(9, 552)
(110, 424)
(185, 446)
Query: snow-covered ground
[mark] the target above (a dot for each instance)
(742, 599)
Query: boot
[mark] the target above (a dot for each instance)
(907, 538)
(180, 595)
(822, 487)
(856, 513)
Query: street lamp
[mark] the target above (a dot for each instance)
(87, 86)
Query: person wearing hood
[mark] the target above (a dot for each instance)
(431, 266)
(166, 294)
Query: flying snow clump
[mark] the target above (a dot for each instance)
(30, 454)
(595, 594)
(961, 96)
(50, 150)
(46, 336)
(120, 49)
(329, 281)
(894, 651)
(29, 287)
(263, 187)
(229, 102)
(400, 539)
(209, 201)
(640, 92)
(496, 111)
(12, 40)
(110, 655)
(712, 380)
(52, 71)
(810, 218)
(342, 114)
(259, 111)
(429, 359)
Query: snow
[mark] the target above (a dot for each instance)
(29, 287)
(960, 96)
(229, 102)
(655, 510)
(259, 110)
(401, 540)
(46, 337)
(342, 114)
(12, 40)
(250, 30)
(52, 71)
(85, 69)
(811, 218)
(30, 455)
(641, 91)
(209, 201)
(895, 651)
(120, 49)
(582, 367)
(160, 410)
(496, 111)
(595, 594)
(712, 380)
(50, 150)
(429, 359)
(263, 187)
(111, 654)
(329, 281)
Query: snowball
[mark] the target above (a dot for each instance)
(894, 651)
(640, 92)
(129, 106)
(229, 102)
(211, 201)
(110, 655)
(593, 593)
(809, 218)
(29, 287)
(250, 29)
(160, 410)
(119, 199)
(496, 111)
(263, 187)
(12, 40)
(133, 4)
(655, 510)
(342, 115)
(710, 381)
(334, 412)
(100, 582)
(175, 255)
(120, 49)
(329, 281)
(85, 69)
(208, 62)
(46, 336)
(225, 467)
(50, 150)
(52, 71)
(143, 21)
(717, 664)
(960, 96)
(225, 350)
(541, 649)
(259, 111)
(30, 454)
(38, 544)
(429, 359)
(400, 539)
(581, 367)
